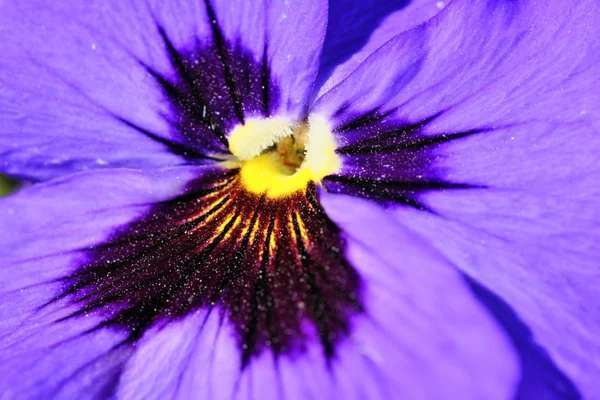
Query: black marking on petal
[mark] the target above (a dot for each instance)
(411, 142)
(184, 73)
(264, 261)
(249, 335)
(341, 110)
(392, 161)
(266, 79)
(395, 191)
(368, 119)
(274, 266)
(193, 105)
(223, 50)
(176, 148)
(401, 185)
(214, 81)
(383, 128)
(315, 293)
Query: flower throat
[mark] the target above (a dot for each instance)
(279, 158)
(247, 239)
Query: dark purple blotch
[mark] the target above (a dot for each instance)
(389, 160)
(271, 265)
(213, 86)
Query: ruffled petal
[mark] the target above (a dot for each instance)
(147, 85)
(357, 28)
(497, 101)
(46, 230)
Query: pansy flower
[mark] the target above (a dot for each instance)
(289, 199)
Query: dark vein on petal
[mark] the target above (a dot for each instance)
(314, 290)
(263, 265)
(223, 57)
(229, 275)
(86, 365)
(403, 130)
(402, 185)
(366, 119)
(193, 107)
(265, 80)
(398, 191)
(312, 200)
(260, 287)
(249, 337)
(88, 279)
(412, 143)
(176, 148)
(179, 65)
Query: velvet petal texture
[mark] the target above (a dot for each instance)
(47, 354)
(97, 99)
(503, 98)
(51, 225)
(421, 324)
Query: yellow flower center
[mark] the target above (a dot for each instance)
(278, 158)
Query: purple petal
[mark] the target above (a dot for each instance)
(422, 319)
(66, 84)
(357, 28)
(296, 30)
(272, 265)
(46, 231)
(509, 105)
(138, 85)
(537, 248)
(540, 377)
(421, 325)
(196, 356)
(494, 77)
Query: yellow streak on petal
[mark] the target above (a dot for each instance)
(226, 220)
(303, 232)
(272, 240)
(290, 226)
(213, 215)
